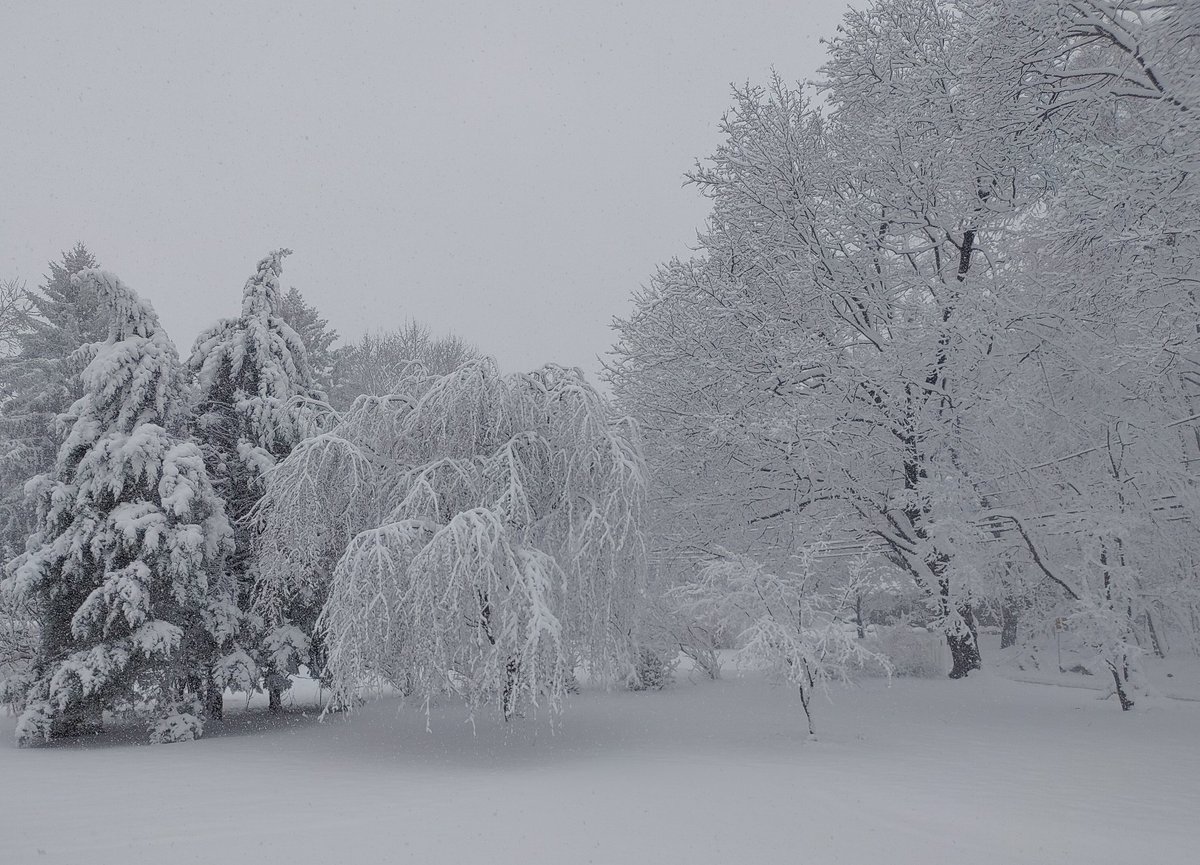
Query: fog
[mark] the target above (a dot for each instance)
(509, 172)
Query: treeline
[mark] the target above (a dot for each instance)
(129, 481)
(939, 350)
(43, 328)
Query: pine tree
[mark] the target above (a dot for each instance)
(15, 323)
(39, 381)
(255, 392)
(316, 333)
(125, 568)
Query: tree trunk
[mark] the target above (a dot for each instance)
(1126, 703)
(274, 700)
(214, 700)
(1158, 649)
(1009, 616)
(511, 686)
(858, 620)
(964, 648)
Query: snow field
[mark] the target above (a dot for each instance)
(983, 771)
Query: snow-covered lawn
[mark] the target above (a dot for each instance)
(982, 771)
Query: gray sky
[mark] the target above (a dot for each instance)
(508, 171)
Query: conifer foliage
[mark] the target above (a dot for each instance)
(256, 398)
(47, 348)
(125, 569)
(317, 335)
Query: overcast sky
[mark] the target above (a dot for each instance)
(508, 171)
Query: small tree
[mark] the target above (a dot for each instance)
(797, 634)
(124, 572)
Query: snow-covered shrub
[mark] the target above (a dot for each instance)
(654, 669)
(179, 720)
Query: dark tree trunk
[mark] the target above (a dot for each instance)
(214, 700)
(1155, 644)
(858, 620)
(1010, 614)
(274, 700)
(964, 648)
(511, 685)
(1126, 703)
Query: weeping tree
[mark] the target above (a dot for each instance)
(125, 571)
(482, 538)
(257, 398)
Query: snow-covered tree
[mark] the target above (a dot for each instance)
(950, 311)
(785, 625)
(480, 537)
(15, 312)
(812, 361)
(1098, 492)
(318, 337)
(256, 400)
(125, 571)
(39, 379)
(17, 636)
(15, 308)
(379, 362)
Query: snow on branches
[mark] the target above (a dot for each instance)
(957, 293)
(255, 384)
(481, 537)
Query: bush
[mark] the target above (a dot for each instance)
(653, 671)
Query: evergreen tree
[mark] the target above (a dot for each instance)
(15, 314)
(255, 391)
(316, 333)
(124, 571)
(39, 380)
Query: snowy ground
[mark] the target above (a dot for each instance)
(982, 771)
